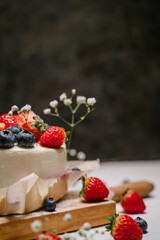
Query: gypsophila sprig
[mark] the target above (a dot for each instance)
(26, 108)
(63, 96)
(36, 226)
(54, 104)
(47, 111)
(68, 101)
(10, 113)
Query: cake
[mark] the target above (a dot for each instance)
(33, 166)
(18, 162)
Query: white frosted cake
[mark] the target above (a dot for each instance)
(18, 162)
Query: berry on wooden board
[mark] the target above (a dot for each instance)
(93, 189)
(50, 204)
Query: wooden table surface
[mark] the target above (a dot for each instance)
(114, 173)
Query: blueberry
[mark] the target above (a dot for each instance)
(7, 139)
(26, 139)
(76, 169)
(49, 204)
(142, 223)
(15, 130)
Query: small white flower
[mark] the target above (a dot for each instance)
(72, 152)
(47, 111)
(81, 100)
(67, 101)
(66, 236)
(73, 91)
(63, 96)
(81, 155)
(14, 108)
(86, 226)
(26, 108)
(54, 104)
(36, 226)
(91, 101)
(42, 237)
(10, 113)
(67, 217)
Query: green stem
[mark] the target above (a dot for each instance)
(58, 115)
(82, 118)
(71, 133)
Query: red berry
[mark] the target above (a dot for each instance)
(7, 119)
(124, 227)
(53, 137)
(49, 236)
(28, 127)
(132, 202)
(94, 189)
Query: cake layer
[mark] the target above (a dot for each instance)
(18, 162)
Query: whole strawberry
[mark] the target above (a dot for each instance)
(123, 227)
(48, 236)
(53, 137)
(132, 202)
(7, 120)
(93, 189)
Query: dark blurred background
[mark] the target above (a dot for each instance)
(105, 49)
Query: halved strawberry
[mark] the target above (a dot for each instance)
(2, 126)
(29, 116)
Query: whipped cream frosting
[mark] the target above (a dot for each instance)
(18, 162)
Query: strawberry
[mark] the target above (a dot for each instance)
(22, 117)
(15, 118)
(7, 120)
(2, 126)
(132, 202)
(123, 227)
(93, 189)
(53, 137)
(48, 236)
(34, 130)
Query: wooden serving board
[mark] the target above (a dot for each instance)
(18, 227)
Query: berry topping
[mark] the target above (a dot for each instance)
(53, 137)
(124, 227)
(2, 126)
(26, 139)
(8, 120)
(48, 236)
(49, 204)
(7, 139)
(132, 202)
(142, 223)
(76, 169)
(28, 127)
(94, 189)
(15, 130)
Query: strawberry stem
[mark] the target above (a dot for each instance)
(84, 185)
